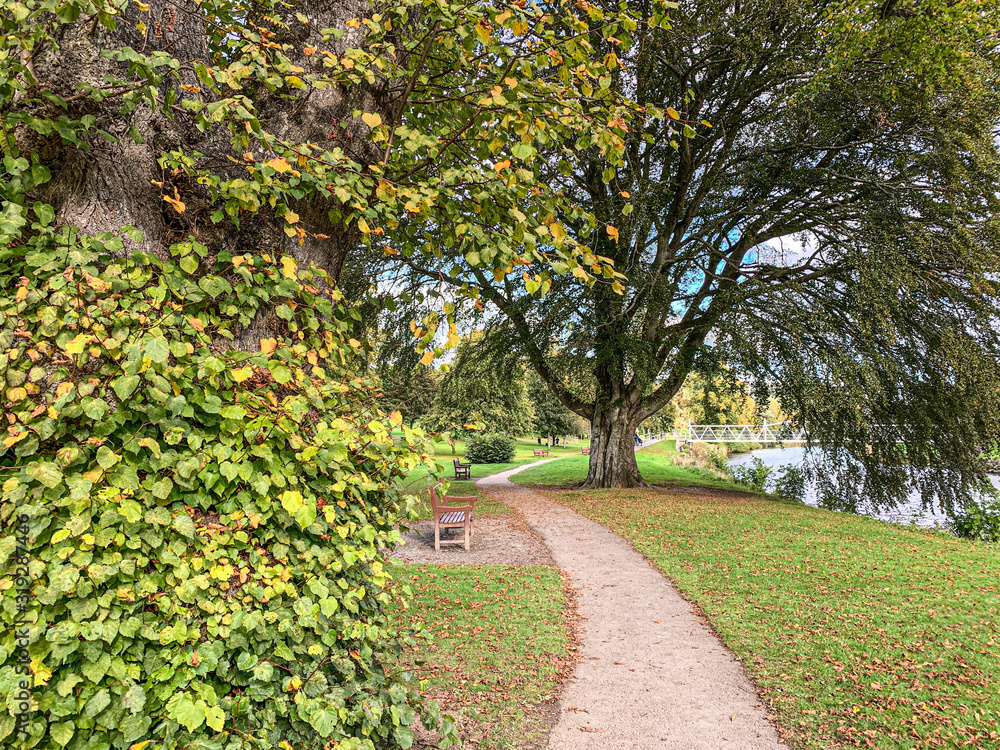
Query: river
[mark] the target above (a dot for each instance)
(909, 512)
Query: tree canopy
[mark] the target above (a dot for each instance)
(817, 210)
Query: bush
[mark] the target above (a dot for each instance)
(202, 536)
(791, 482)
(490, 449)
(979, 521)
(754, 475)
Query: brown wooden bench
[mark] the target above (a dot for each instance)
(585, 450)
(448, 515)
(541, 451)
(462, 471)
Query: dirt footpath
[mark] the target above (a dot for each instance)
(651, 675)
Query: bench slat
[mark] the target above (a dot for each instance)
(453, 517)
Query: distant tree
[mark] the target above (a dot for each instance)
(552, 417)
(411, 391)
(481, 390)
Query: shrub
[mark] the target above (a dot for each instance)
(754, 475)
(791, 482)
(490, 449)
(979, 521)
(203, 526)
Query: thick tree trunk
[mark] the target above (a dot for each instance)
(612, 451)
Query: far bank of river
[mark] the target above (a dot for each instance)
(909, 512)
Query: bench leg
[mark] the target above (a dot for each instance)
(468, 533)
(437, 536)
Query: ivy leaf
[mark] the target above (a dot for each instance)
(97, 703)
(47, 473)
(215, 717)
(157, 349)
(134, 699)
(62, 732)
(125, 385)
(107, 457)
(324, 721)
(186, 712)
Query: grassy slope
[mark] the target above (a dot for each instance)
(859, 633)
(656, 468)
(499, 640)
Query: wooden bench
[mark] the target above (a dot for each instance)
(585, 450)
(462, 471)
(541, 451)
(448, 515)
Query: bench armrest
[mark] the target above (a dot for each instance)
(457, 499)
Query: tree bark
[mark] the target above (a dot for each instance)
(612, 451)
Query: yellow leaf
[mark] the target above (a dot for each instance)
(706, 123)
(241, 374)
(22, 294)
(176, 202)
(289, 266)
(291, 217)
(139, 745)
(501, 165)
(673, 114)
(279, 165)
(396, 418)
(511, 82)
(196, 324)
(371, 119)
(14, 438)
(427, 358)
(363, 226)
(63, 389)
(307, 51)
(268, 345)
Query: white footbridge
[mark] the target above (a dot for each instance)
(776, 432)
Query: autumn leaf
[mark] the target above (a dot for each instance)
(279, 165)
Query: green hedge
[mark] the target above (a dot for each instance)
(204, 526)
(490, 449)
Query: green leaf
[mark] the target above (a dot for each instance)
(97, 703)
(107, 457)
(404, 736)
(324, 721)
(125, 385)
(46, 472)
(130, 509)
(215, 717)
(157, 349)
(291, 501)
(134, 699)
(62, 732)
(186, 712)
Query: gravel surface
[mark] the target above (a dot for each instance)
(651, 673)
(498, 540)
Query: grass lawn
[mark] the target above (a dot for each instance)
(859, 633)
(499, 643)
(656, 468)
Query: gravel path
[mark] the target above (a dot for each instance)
(651, 674)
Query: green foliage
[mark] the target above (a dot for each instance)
(481, 390)
(791, 482)
(490, 449)
(552, 418)
(977, 520)
(755, 475)
(205, 524)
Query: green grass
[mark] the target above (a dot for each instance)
(499, 642)
(655, 467)
(524, 448)
(859, 633)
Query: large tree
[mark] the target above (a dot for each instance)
(817, 210)
(197, 485)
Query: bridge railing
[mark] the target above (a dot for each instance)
(779, 432)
